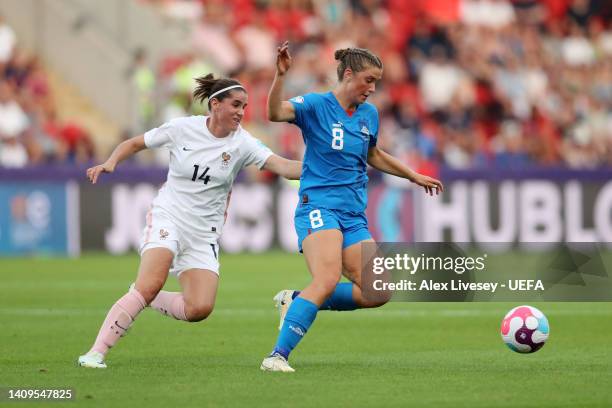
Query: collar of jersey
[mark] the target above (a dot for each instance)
(225, 139)
(330, 95)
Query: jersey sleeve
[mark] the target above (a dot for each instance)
(374, 135)
(161, 136)
(304, 107)
(256, 152)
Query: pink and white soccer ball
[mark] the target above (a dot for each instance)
(525, 329)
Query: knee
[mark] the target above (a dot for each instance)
(149, 290)
(382, 299)
(378, 299)
(325, 286)
(198, 311)
(386, 297)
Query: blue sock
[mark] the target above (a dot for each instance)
(299, 317)
(341, 299)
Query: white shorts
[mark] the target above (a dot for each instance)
(190, 251)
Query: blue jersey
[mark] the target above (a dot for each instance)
(334, 166)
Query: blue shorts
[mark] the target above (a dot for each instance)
(310, 219)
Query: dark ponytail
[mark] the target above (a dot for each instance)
(208, 85)
(357, 59)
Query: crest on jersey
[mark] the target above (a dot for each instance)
(364, 129)
(163, 234)
(225, 159)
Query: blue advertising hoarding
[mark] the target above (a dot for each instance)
(40, 209)
(39, 218)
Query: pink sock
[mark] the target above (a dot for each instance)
(170, 304)
(119, 318)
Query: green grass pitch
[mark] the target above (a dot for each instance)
(404, 354)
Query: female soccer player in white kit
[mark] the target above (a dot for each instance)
(187, 216)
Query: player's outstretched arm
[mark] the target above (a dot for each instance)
(279, 110)
(289, 169)
(386, 163)
(122, 151)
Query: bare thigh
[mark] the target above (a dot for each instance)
(153, 272)
(353, 261)
(199, 292)
(323, 253)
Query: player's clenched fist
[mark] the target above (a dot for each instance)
(94, 172)
(283, 59)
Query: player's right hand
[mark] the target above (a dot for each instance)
(283, 59)
(94, 172)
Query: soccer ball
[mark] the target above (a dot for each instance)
(525, 329)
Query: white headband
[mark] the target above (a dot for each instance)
(223, 90)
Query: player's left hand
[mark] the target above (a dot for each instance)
(429, 184)
(283, 59)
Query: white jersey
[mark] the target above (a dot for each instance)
(201, 172)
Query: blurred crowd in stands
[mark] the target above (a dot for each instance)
(466, 83)
(30, 131)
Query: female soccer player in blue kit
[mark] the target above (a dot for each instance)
(340, 130)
